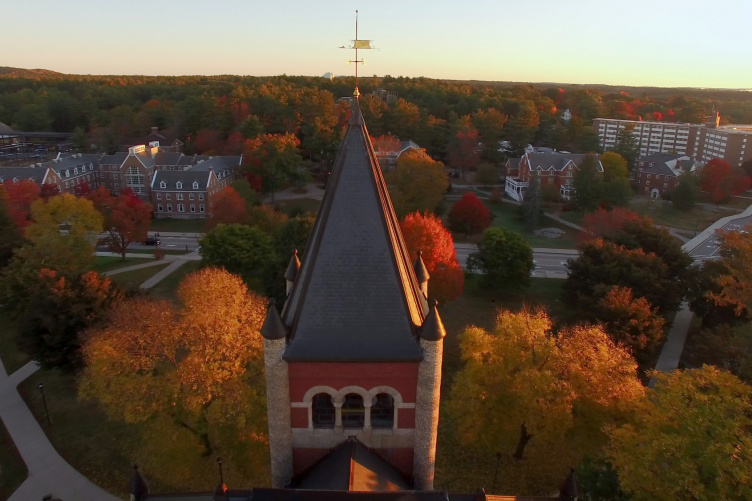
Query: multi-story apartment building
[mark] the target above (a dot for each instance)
(699, 142)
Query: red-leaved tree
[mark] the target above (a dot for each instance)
(227, 207)
(126, 218)
(469, 215)
(19, 197)
(425, 233)
(49, 190)
(605, 223)
(721, 181)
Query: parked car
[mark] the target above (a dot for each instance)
(151, 241)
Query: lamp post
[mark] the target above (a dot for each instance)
(44, 401)
(496, 471)
(221, 477)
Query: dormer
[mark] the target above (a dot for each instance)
(163, 185)
(67, 173)
(195, 185)
(75, 170)
(179, 185)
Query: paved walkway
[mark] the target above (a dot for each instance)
(48, 472)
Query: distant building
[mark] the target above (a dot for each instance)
(389, 148)
(554, 169)
(732, 143)
(658, 173)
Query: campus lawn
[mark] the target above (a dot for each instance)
(298, 205)
(167, 288)
(506, 215)
(12, 468)
(102, 264)
(665, 214)
(11, 355)
(132, 280)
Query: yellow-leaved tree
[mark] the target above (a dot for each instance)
(691, 439)
(190, 377)
(539, 400)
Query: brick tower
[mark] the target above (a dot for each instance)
(356, 352)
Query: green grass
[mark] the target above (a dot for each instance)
(665, 214)
(299, 204)
(166, 288)
(12, 468)
(102, 450)
(178, 225)
(505, 215)
(131, 280)
(102, 264)
(13, 358)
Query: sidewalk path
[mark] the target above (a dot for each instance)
(674, 345)
(48, 472)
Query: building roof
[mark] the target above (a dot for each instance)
(79, 160)
(660, 168)
(168, 157)
(556, 161)
(351, 466)
(171, 178)
(115, 159)
(356, 297)
(36, 174)
(661, 157)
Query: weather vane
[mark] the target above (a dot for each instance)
(357, 44)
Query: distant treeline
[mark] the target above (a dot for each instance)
(441, 116)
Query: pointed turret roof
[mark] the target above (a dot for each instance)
(292, 268)
(355, 297)
(421, 272)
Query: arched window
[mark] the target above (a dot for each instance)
(195, 185)
(382, 411)
(323, 411)
(353, 412)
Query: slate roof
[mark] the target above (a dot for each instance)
(115, 159)
(168, 158)
(146, 159)
(356, 297)
(36, 174)
(187, 177)
(658, 168)
(556, 161)
(88, 160)
(660, 157)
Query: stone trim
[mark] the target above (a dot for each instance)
(338, 397)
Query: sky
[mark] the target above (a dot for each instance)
(664, 43)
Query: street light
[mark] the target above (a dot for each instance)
(221, 477)
(44, 401)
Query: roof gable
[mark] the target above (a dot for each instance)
(356, 297)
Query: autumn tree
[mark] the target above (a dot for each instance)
(735, 280)
(464, 149)
(273, 157)
(522, 125)
(707, 299)
(490, 125)
(424, 233)
(58, 310)
(192, 378)
(504, 259)
(629, 320)
(469, 215)
(266, 218)
(555, 392)
(19, 196)
(691, 439)
(417, 184)
(126, 218)
(12, 238)
(227, 207)
(588, 184)
(248, 192)
(244, 250)
(605, 223)
(721, 181)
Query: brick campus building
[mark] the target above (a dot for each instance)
(353, 361)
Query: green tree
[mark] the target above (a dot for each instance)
(614, 166)
(555, 392)
(417, 184)
(531, 204)
(588, 184)
(80, 140)
(686, 192)
(11, 235)
(522, 126)
(504, 258)
(244, 189)
(273, 157)
(691, 439)
(240, 249)
(486, 174)
(627, 145)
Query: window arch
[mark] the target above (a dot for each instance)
(179, 185)
(382, 411)
(163, 184)
(195, 185)
(353, 411)
(323, 412)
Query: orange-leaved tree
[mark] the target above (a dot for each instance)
(605, 223)
(19, 197)
(191, 376)
(425, 233)
(539, 399)
(227, 207)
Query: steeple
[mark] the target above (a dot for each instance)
(355, 297)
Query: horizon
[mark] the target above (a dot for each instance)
(669, 46)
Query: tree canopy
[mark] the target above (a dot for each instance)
(504, 258)
(126, 218)
(417, 184)
(539, 397)
(469, 215)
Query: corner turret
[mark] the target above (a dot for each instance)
(292, 271)
(421, 272)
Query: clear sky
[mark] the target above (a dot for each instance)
(669, 43)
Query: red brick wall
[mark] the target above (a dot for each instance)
(403, 377)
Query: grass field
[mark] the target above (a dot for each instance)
(131, 280)
(665, 214)
(505, 215)
(12, 468)
(167, 287)
(298, 205)
(102, 264)
(178, 225)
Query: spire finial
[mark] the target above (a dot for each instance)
(357, 44)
